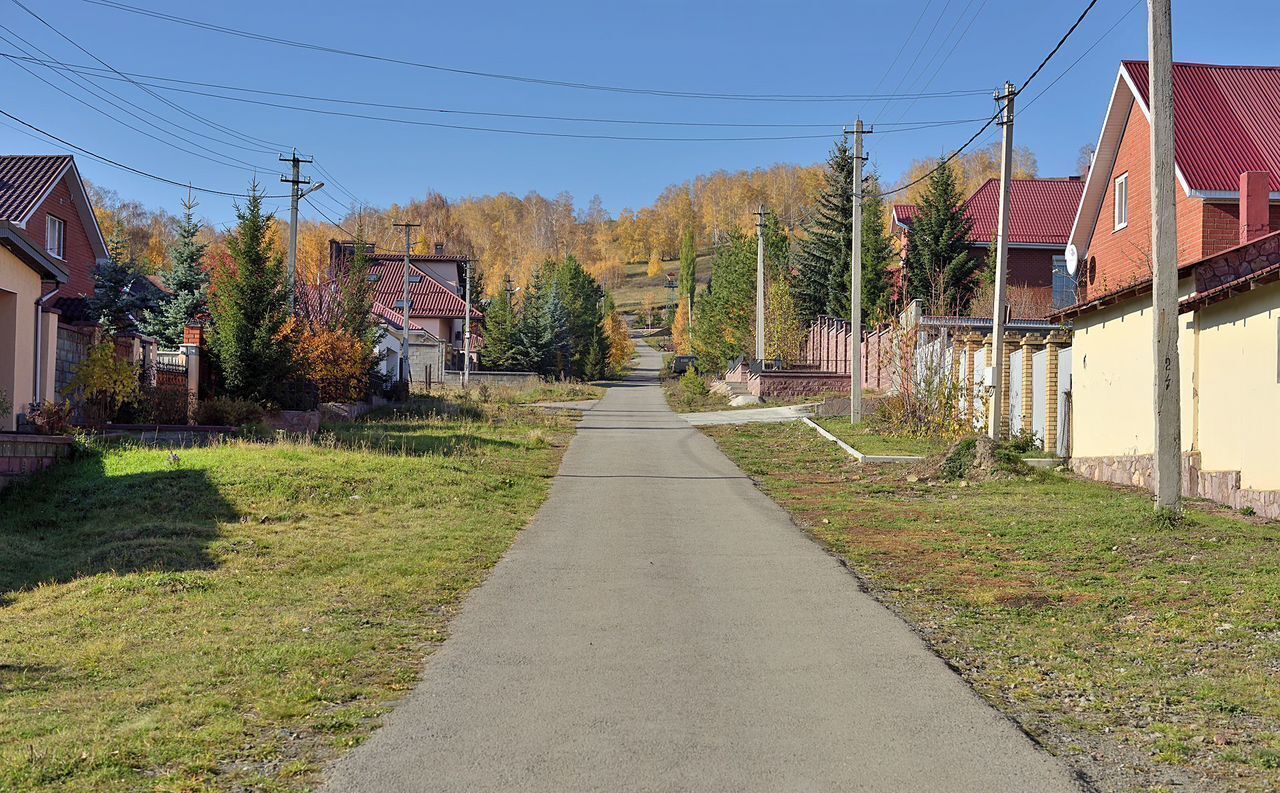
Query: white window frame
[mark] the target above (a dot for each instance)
(1121, 218)
(55, 236)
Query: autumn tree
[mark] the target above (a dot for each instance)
(784, 334)
(249, 307)
(940, 267)
(681, 340)
(186, 280)
(655, 266)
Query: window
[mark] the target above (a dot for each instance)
(415, 279)
(55, 236)
(1122, 201)
(373, 278)
(1064, 286)
(400, 305)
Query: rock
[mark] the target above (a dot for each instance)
(744, 399)
(913, 479)
(833, 407)
(984, 454)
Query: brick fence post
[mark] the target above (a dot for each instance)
(1054, 342)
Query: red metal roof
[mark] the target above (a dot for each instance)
(25, 179)
(427, 297)
(1226, 120)
(1041, 211)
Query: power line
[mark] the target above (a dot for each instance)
(118, 6)
(901, 48)
(1090, 49)
(115, 164)
(954, 45)
(1058, 46)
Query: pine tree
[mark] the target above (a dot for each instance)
(821, 283)
(250, 308)
(355, 294)
(186, 280)
(940, 269)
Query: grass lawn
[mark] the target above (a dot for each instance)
(868, 441)
(630, 295)
(234, 618)
(1147, 655)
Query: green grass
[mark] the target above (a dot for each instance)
(233, 619)
(1065, 603)
(630, 295)
(867, 440)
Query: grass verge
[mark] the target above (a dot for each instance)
(865, 439)
(233, 617)
(1146, 655)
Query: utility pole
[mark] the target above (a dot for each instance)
(998, 418)
(296, 181)
(404, 321)
(466, 334)
(760, 285)
(855, 282)
(1167, 458)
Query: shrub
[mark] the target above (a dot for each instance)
(50, 418)
(692, 386)
(106, 381)
(337, 362)
(228, 412)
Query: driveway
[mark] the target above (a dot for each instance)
(663, 626)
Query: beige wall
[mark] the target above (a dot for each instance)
(19, 289)
(1239, 415)
(1230, 384)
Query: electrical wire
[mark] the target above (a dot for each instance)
(954, 46)
(901, 48)
(245, 34)
(1090, 49)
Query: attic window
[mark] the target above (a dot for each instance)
(415, 279)
(55, 237)
(1122, 201)
(373, 277)
(400, 305)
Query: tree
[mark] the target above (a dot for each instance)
(821, 283)
(784, 332)
(681, 341)
(186, 280)
(249, 307)
(725, 317)
(499, 352)
(688, 266)
(878, 254)
(940, 269)
(655, 266)
(118, 300)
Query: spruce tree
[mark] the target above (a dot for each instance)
(940, 269)
(821, 282)
(117, 302)
(250, 307)
(877, 255)
(355, 294)
(500, 335)
(186, 280)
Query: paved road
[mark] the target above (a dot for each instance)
(749, 415)
(662, 626)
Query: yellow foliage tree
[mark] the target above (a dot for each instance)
(680, 330)
(621, 347)
(784, 333)
(655, 265)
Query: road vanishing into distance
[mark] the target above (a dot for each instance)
(663, 626)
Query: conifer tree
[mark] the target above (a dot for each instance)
(688, 266)
(940, 269)
(250, 306)
(117, 302)
(187, 281)
(500, 336)
(821, 282)
(877, 255)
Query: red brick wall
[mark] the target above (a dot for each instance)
(80, 260)
(1031, 266)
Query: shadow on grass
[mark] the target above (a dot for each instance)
(74, 521)
(412, 439)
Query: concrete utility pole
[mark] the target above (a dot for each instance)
(296, 180)
(404, 322)
(855, 282)
(760, 284)
(996, 430)
(466, 333)
(1164, 250)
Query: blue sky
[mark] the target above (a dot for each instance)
(744, 46)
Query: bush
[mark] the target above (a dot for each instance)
(228, 412)
(106, 381)
(337, 363)
(50, 418)
(692, 386)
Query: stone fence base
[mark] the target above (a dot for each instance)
(491, 379)
(294, 422)
(1221, 486)
(22, 454)
(798, 383)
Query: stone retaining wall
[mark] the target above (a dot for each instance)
(501, 379)
(22, 455)
(784, 384)
(1221, 486)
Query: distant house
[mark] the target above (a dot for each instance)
(50, 245)
(1227, 131)
(436, 308)
(1040, 216)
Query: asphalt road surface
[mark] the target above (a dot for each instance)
(663, 626)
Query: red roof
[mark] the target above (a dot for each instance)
(427, 296)
(25, 180)
(1226, 120)
(1041, 211)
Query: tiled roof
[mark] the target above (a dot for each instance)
(393, 318)
(1041, 211)
(428, 297)
(24, 179)
(1226, 121)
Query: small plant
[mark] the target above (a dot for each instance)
(50, 418)
(173, 460)
(228, 412)
(483, 392)
(1248, 511)
(692, 386)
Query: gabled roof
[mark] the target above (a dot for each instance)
(26, 181)
(427, 296)
(1040, 211)
(1226, 121)
(393, 319)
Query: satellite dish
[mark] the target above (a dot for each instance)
(1073, 259)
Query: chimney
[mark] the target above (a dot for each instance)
(1255, 205)
(439, 249)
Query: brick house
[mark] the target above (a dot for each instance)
(50, 246)
(1040, 217)
(1227, 153)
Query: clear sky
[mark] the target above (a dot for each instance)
(717, 46)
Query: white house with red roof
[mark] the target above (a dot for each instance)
(1040, 218)
(1227, 153)
(50, 245)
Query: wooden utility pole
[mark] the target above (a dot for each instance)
(296, 180)
(998, 418)
(855, 281)
(404, 314)
(760, 284)
(1167, 455)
